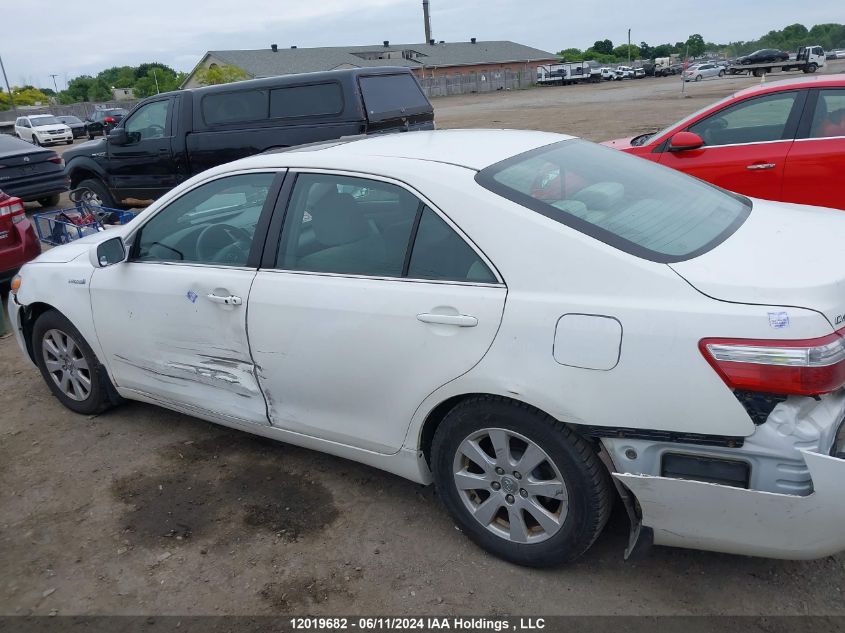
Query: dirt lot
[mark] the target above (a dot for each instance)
(144, 511)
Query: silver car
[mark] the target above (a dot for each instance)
(701, 71)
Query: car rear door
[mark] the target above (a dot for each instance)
(816, 162)
(745, 144)
(370, 301)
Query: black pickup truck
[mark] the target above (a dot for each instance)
(170, 137)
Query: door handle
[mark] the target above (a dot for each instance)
(761, 166)
(459, 320)
(231, 300)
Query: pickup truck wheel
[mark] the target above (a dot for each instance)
(49, 201)
(69, 366)
(520, 484)
(97, 193)
(812, 68)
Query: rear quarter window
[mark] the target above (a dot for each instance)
(391, 96)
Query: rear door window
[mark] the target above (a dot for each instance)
(235, 107)
(392, 96)
(829, 116)
(300, 101)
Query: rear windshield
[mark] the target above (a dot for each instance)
(627, 202)
(391, 96)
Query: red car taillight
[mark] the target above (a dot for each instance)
(11, 206)
(807, 367)
(58, 160)
(108, 119)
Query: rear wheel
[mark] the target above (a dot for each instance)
(721, 73)
(90, 136)
(69, 366)
(49, 201)
(96, 193)
(698, 77)
(520, 484)
(812, 68)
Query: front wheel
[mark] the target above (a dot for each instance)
(520, 484)
(97, 193)
(69, 366)
(698, 77)
(812, 68)
(35, 140)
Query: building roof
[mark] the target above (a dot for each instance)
(267, 63)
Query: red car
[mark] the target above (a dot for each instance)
(18, 242)
(780, 141)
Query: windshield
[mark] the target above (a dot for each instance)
(69, 119)
(629, 203)
(44, 120)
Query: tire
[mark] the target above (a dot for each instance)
(100, 195)
(70, 142)
(90, 136)
(86, 389)
(698, 77)
(721, 73)
(49, 201)
(758, 72)
(812, 67)
(574, 515)
(35, 141)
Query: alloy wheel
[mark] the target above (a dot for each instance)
(510, 485)
(66, 364)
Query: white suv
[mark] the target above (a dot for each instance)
(42, 129)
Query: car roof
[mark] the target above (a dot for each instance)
(40, 116)
(808, 81)
(473, 149)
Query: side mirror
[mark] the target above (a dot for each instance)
(118, 136)
(109, 253)
(683, 141)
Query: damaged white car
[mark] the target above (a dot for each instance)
(534, 323)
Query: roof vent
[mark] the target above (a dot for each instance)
(472, 39)
(431, 42)
(293, 46)
(442, 41)
(275, 47)
(386, 43)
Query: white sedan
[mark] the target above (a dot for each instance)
(703, 71)
(535, 323)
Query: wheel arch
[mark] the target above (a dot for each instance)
(439, 412)
(79, 169)
(30, 316)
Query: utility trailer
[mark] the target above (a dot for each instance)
(567, 73)
(809, 59)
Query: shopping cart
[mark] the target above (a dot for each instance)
(72, 223)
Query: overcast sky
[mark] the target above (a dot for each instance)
(177, 32)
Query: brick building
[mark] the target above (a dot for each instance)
(432, 60)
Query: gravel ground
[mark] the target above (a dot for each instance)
(145, 511)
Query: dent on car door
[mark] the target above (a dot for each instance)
(745, 144)
(372, 301)
(171, 320)
(816, 161)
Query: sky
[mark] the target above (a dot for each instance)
(179, 32)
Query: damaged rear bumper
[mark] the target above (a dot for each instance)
(707, 516)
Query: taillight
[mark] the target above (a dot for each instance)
(58, 160)
(11, 206)
(109, 119)
(803, 367)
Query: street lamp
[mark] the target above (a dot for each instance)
(629, 47)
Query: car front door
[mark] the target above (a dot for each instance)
(372, 302)
(816, 162)
(143, 168)
(745, 144)
(172, 318)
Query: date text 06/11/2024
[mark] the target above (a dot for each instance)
(417, 623)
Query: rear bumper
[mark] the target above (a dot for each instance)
(38, 187)
(767, 519)
(25, 249)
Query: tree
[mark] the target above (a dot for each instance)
(572, 54)
(696, 45)
(224, 74)
(603, 46)
(621, 52)
(661, 50)
(593, 55)
(646, 51)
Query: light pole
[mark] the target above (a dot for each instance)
(629, 47)
(8, 89)
(55, 85)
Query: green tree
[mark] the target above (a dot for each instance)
(661, 50)
(604, 47)
(572, 54)
(220, 75)
(593, 55)
(621, 52)
(646, 51)
(696, 45)
(27, 95)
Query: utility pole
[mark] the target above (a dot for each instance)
(55, 85)
(155, 77)
(8, 89)
(629, 47)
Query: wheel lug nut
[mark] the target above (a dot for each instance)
(500, 471)
(495, 485)
(517, 474)
(523, 493)
(509, 498)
